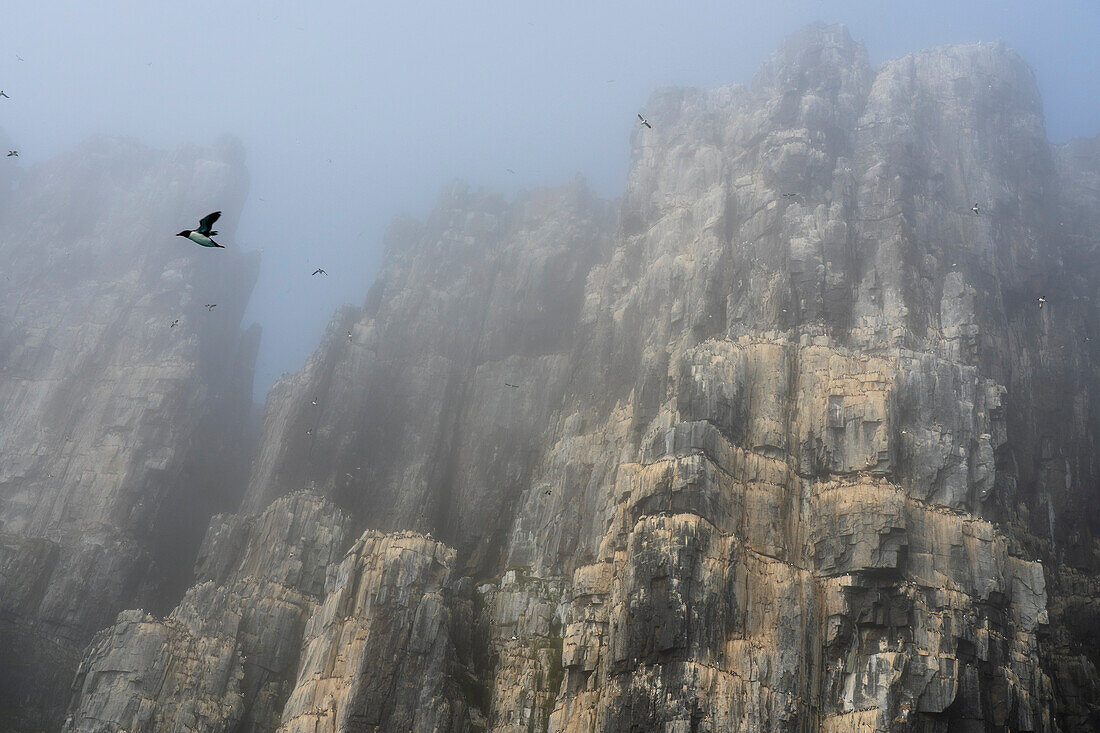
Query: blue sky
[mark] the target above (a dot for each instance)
(353, 112)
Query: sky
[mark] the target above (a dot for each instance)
(354, 112)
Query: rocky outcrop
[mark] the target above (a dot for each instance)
(121, 432)
(284, 627)
(225, 657)
(384, 650)
(410, 394)
(790, 445)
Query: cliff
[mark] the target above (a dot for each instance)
(121, 432)
(780, 441)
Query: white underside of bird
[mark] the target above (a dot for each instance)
(202, 239)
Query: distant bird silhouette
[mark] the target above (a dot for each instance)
(349, 335)
(645, 122)
(513, 386)
(976, 209)
(309, 432)
(319, 271)
(13, 153)
(790, 195)
(1040, 300)
(20, 57)
(510, 171)
(202, 235)
(315, 400)
(175, 323)
(4, 95)
(210, 306)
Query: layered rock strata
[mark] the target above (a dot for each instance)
(225, 657)
(790, 445)
(284, 627)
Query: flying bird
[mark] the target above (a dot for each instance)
(975, 209)
(1040, 300)
(319, 271)
(13, 153)
(349, 335)
(513, 386)
(175, 323)
(4, 95)
(210, 306)
(510, 171)
(202, 235)
(645, 122)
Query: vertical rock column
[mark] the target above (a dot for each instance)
(122, 396)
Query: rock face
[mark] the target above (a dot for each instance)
(782, 441)
(406, 405)
(226, 655)
(118, 433)
(282, 625)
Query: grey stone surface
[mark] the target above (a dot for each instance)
(775, 462)
(225, 658)
(120, 434)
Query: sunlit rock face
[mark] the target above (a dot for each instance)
(779, 441)
(120, 432)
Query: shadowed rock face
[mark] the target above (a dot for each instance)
(406, 405)
(792, 446)
(119, 431)
(226, 655)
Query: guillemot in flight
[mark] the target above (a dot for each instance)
(13, 153)
(975, 209)
(1040, 300)
(645, 122)
(202, 235)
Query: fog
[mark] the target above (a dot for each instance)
(351, 112)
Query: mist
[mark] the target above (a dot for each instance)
(352, 113)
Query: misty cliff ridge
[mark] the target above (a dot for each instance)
(791, 445)
(119, 430)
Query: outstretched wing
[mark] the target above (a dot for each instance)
(207, 223)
